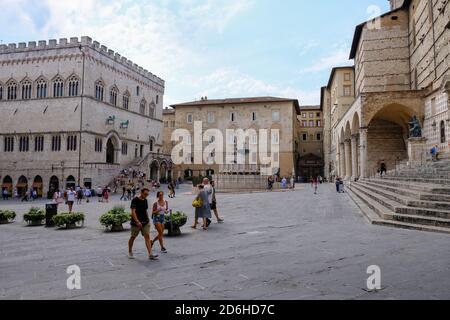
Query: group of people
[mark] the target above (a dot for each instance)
(29, 194)
(78, 194)
(141, 221)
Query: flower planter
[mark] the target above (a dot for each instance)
(69, 220)
(35, 223)
(4, 221)
(179, 219)
(117, 228)
(114, 219)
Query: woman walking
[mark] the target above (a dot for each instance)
(202, 210)
(70, 198)
(160, 208)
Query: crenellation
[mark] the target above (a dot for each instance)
(42, 44)
(117, 57)
(96, 44)
(74, 40)
(111, 53)
(52, 43)
(12, 46)
(62, 42)
(22, 45)
(86, 41)
(103, 48)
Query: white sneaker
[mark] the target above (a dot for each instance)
(154, 257)
(130, 256)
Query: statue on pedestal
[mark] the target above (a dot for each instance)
(415, 130)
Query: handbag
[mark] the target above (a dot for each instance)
(197, 203)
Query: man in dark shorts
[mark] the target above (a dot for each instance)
(140, 223)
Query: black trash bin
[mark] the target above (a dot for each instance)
(51, 210)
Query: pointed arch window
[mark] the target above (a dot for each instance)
(126, 100)
(1, 92)
(74, 84)
(142, 107)
(12, 90)
(113, 94)
(151, 111)
(26, 90)
(99, 90)
(58, 87)
(41, 89)
(443, 133)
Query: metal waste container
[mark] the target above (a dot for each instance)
(51, 210)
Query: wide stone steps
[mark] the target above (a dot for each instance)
(379, 215)
(389, 209)
(421, 187)
(406, 200)
(421, 180)
(405, 190)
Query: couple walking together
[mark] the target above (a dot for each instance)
(204, 203)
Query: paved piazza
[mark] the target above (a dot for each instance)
(291, 245)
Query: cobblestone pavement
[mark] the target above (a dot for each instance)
(288, 245)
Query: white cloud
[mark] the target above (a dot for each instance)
(338, 57)
(227, 83)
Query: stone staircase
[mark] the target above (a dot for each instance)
(412, 198)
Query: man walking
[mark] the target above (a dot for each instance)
(140, 223)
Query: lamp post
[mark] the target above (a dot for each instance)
(81, 115)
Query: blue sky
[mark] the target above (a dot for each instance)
(217, 48)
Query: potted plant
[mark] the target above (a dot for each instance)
(115, 218)
(7, 216)
(69, 220)
(34, 217)
(174, 222)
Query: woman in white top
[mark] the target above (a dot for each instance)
(71, 195)
(160, 208)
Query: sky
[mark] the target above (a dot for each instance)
(213, 48)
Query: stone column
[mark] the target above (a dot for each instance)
(363, 153)
(341, 160)
(354, 143)
(348, 159)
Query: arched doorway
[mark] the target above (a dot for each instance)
(22, 186)
(163, 172)
(53, 186)
(209, 172)
(110, 152)
(188, 173)
(8, 185)
(71, 182)
(387, 137)
(154, 170)
(38, 185)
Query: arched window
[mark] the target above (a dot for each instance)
(443, 135)
(113, 96)
(73, 86)
(142, 107)
(152, 144)
(58, 87)
(126, 100)
(12, 90)
(26, 90)
(151, 111)
(41, 89)
(1, 91)
(99, 89)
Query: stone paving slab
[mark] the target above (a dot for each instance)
(280, 245)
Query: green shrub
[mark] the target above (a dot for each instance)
(178, 218)
(7, 215)
(68, 219)
(34, 215)
(115, 217)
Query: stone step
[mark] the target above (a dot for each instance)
(400, 212)
(372, 209)
(445, 182)
(422, 187)
(436, 185)
(409, 201)
(403, 190)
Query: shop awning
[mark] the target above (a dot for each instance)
(21, 185)
(37, 185)
(7, 185)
